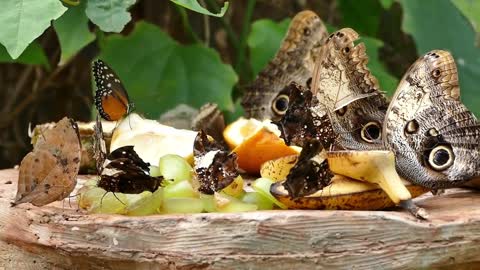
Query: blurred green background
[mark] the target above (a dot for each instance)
(193, 52)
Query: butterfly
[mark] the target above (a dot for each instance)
(111, 98)
(215, 167)
(349, 92)
(49, 172)
(435, 138)
(294, 61)
(211, 120)
(305, 118)
(122, 170)
(310, 173)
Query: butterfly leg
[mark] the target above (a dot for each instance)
(416, 211)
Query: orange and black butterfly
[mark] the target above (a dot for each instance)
(111, 98)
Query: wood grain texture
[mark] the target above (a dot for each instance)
(63, 237)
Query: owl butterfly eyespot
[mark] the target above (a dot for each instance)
(349, 92)
(215, 167)
(435, 138)
(49, 172)
(125, 172)
(293, 62)
(111, 97)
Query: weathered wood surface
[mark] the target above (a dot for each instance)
(58, 236)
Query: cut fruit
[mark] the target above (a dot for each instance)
(343, 194)
(262, 186)
(278, 169)
(146, 206)
(235, 188)
(376, 167)
(182, 189)
(260, 201)
(182, 205)
(263, 146)
(235, 133)
(175, 167)
(153, 140)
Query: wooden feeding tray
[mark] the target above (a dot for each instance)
(59, 236)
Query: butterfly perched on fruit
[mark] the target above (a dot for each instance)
(434, 136)
(111, 97)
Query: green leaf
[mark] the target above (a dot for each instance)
(264, 41)
(24, 20)
(386, 4)
(160, 73)
(72, 31)
(387, 81)
(33, 55)
(109, 15)
(354, 14)
(447, 30)
(471, 10)
(195, 6)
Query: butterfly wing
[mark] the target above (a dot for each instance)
(350, 93)
(305, 119)
(294, 61)
(49, 172)
(111, 98)
(435, 138)
(215, 167)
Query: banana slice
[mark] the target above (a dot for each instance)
(377, 167)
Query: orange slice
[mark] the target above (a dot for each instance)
(256, 142)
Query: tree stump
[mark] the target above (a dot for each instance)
(60, 236)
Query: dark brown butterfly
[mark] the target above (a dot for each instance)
(309, 173)
(111, 98)
(49, 172)
(215, 167)
(125, 172)
(305, 118)
(122, 170)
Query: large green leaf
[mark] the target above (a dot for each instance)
(109, 15)
(447, 30)
(32, 55)
(72, 31)
(195, 6)
(363, 16)
(471, 10)
(264, 41)
(160, 73)
(387, 81)
(24, 20)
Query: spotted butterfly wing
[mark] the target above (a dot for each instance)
(305, 118)
(125, 172)
(111, 98)
(435, 138)
(215, 167)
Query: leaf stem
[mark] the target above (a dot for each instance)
(186, 24)
(232, 37)
(241, 50)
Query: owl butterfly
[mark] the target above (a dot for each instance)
(49, 172)
(211, 120)
(111, 98)
(122, 170)
(294, 61)
(433, 135)
(349, 92)
(215, 167)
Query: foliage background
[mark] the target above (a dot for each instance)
(166, 54)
